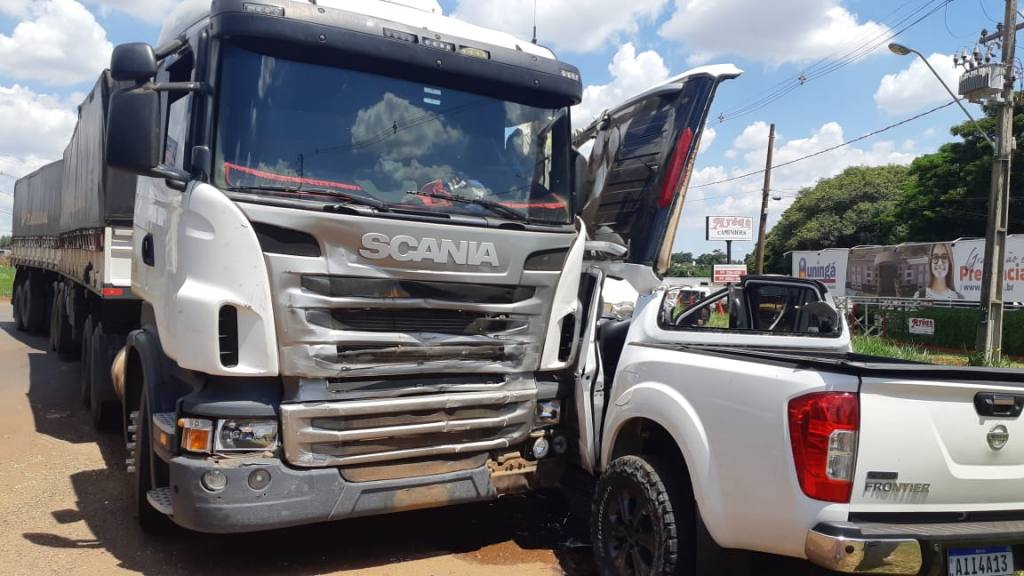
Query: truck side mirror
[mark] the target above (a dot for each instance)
(133, 62)
(133, 130)
(579, 179)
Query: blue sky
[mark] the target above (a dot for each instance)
(620, 48)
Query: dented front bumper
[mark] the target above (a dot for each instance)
(294, 497)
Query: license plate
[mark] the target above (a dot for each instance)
(991, 561)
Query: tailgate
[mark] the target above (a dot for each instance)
(940, 440)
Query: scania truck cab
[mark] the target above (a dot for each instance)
(354, 236)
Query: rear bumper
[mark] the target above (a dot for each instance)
(880, 548)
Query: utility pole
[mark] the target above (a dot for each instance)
(990, 323)
(759, 260)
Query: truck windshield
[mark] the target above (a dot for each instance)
(287, 127)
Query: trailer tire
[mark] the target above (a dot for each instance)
(34, 310)
(54, 315)
(16, 304)
(61, 333)
(85, 375)
(103, 404)
(639, 519)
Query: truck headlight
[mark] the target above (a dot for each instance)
(236, 435)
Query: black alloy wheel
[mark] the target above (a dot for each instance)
(640, 520)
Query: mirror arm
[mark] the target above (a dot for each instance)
(609, 248)
(174, 178)
(196, 87)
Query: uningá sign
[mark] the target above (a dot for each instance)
(730, 228)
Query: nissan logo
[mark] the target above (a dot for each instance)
(998, 437)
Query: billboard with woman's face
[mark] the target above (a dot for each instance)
(934, 270)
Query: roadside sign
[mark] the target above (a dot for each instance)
(922, 326)
(729, 273)
(729, 228)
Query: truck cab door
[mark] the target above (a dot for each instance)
(632, 192)
(640, 164)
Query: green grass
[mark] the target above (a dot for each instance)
(875, 346)
(6, 281)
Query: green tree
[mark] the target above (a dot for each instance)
(5, 242)
(856, 207)
(947, 197)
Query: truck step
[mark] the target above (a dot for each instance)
(160, 500)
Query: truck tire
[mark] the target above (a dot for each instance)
(85, 374)
(16, 305)
(103, 404)
(150, 520)
(639, 521)
(62, 339)
(35, 305)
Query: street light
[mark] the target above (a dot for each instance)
(901, 50)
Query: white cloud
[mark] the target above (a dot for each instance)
(707, 137)
(59, 43)
(775, 32)
(36, 128)
(151, 11)
(632, 73)
(753, 137)
(915, 88)
(566, 25)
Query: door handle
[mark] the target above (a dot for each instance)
(147, 250)
(998, 405)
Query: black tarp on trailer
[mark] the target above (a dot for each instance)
(37, 202)
(93, 194)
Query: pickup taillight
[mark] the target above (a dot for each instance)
(823, 431)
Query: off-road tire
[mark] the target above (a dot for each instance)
(640, 522)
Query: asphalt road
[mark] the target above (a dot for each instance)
(64, 494)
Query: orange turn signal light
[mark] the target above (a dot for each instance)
(196, 434)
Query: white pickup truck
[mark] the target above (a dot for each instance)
(746, 418)
(745, 422)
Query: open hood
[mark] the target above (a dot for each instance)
(640, 164)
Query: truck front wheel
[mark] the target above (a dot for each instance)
(640, 521)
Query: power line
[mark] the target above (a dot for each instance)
(823, 67)
(830, 148)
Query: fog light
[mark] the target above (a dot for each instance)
(214, 480)
(560, 445)
(549, 412)
(540, 447)
(259, 479)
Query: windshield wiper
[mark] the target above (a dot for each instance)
(353, 198)
(494, 207)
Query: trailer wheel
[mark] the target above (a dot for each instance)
(103, 404)
(54, 315)
(16, 304)
(34, 310)
(639, 520)
(62, 338)
(85, 375)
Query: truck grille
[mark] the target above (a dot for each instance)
(370, 431)
(412, 320)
